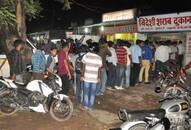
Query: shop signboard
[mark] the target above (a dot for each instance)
(119, 15)
(188, 48)
(120, 29)
(165, 23)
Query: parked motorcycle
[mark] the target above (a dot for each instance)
(178, 85)
(172, 115)
(38, 96)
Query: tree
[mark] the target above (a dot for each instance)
(13, 14)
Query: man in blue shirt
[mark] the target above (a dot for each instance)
(147, 57)
(39, 63)
(136, 54)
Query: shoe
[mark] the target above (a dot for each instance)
(90, 109)
(147, 82)
(84, 108)
(116, 87)
(120, 88)
(109, 88)
(140, 82)
(136, 84)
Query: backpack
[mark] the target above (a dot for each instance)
(78, 64)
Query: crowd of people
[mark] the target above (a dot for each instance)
(96, 67)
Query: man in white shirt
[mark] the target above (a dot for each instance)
(181, 52)
(136, 57)
(92, 64)
(162, 56)
(126, 80)
(174, 50)
(112, 62)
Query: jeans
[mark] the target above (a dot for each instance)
(120, 73)
(89, 90)
(111, 75)
(144, 69)
(160, 67)
(78, 88)
(135, 69)
(180, 60)
(102, 84)
(126, 80)
(19, 78)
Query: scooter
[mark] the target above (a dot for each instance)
(173, 115)
(37, 96)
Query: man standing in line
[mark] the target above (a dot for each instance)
(15, 61)
(64, 68)
(51, 62)
(162, 56)
(112, 62)
(92, 64)
(174, 49)
(121, 64)
(181, 52)
(147, 58)
(136, 54)
(103, 53)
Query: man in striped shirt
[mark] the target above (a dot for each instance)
(92, 64)
(121, 64)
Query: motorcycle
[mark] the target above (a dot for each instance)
(38, 96)
(172, 115)
(178, 86)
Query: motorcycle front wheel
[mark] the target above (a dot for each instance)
(61, 110)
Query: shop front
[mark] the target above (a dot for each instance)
(126, 32)
(175, 27)
(119, 25)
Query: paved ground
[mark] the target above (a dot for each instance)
(103, 117)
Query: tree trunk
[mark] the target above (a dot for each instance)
(20, 20)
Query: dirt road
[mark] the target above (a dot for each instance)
(102, 117)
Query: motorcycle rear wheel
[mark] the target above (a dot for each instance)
(61, 112)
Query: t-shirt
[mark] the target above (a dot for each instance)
(92, 64)
(174, 50)
(113, 58)
(128, 54)
(51, 63)
(147, 53)
(104, 52)
(181, 49)
(135, 53)
(121, 55)
(61, 67)
(38, 62)
(162, 53)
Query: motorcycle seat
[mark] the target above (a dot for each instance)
(20, 85)
(142, 114)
